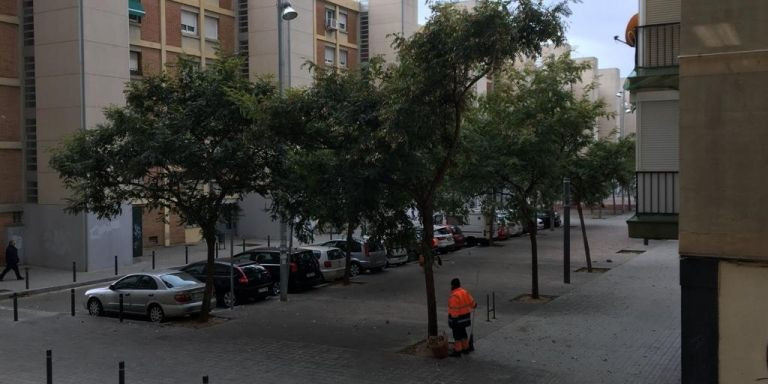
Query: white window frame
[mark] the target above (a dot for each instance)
(189, 29)
(330, 15)
(332, 52)
(211, 28)
(341, 22)
(134, 65)
(343, 58)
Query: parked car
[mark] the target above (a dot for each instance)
(397, 256)
(331, 261)
(304, 269)
(543, 219)
(365, 255)
(444, 239)
(250, 280)
(158, 295)
(458, 236)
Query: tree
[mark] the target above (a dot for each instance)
(522, 135)
(595, 171)
(330, 171)
(181, 142)
(429, 92)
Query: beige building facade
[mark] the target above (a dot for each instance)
(724, 262)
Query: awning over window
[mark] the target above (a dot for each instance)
(135, 8)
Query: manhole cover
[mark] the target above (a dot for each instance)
(594, 269)
(526, 298)
(635, 251)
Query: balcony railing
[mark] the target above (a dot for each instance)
(657, 193)
(658, 45)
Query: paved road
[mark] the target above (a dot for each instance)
(336, 333)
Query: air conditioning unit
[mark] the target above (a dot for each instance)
(331, 24)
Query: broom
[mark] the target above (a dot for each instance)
(472, 333)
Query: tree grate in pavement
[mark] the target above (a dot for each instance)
(526, 298)
(635, 251)
(594, 269)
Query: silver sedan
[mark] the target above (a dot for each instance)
(159, 295)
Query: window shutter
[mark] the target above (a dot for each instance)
(211, 28)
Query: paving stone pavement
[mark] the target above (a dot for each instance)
(618, 327)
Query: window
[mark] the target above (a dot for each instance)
(211, 28)
(343, 56)
(133, 18)
(147, 282)
(189, 22)
(335, 254)
(330, 17)
(342, 23)
(134, 64)
(268, 258)
(128, 282)
(178, 279)
(330, 56)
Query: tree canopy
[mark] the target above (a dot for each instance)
(180, 142)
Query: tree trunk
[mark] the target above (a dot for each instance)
(348, 256)
(614, 201)
(532, 230)
(584, 236)
(210, 242)
(622, 200)
(426, 211)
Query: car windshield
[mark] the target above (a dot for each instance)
(178, 280)
(443, 231)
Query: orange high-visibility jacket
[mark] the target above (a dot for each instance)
(460, 303)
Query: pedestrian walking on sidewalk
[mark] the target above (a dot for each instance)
(460, 306)
(11, 261)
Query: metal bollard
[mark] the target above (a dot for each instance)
(15, 307)
(487, 307)
(26, 277)
(72, 301)
(121, 308)
(231, 246)
(49, 367)
(268, 245)
(217, 249)
(153, 259)
(74, 272)
(121, 372)
(205, 379)
(186, 254)
(493, 301)
(115, 265)
(243, 245)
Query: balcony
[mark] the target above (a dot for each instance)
(657, 206)
(656, 57)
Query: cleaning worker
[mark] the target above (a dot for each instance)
(460, 306)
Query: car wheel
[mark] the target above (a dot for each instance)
(229, 299)
(156, 313)
(354, 269)
(275, 289)
(95, 308)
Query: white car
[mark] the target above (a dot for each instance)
(444, 238)
(331, 261)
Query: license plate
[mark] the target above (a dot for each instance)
(311, 274)
(263, 289)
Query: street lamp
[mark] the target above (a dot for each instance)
(284, 12)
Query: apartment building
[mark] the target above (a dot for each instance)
(654, 88)
(723, 258)
(63, 61)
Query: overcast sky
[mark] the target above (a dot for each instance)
(591, 28)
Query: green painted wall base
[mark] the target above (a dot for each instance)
(655, 227)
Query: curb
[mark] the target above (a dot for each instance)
(37, 291)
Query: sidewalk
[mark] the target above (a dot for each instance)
(623, 327)
(42, 279)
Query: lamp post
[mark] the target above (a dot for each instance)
(284, 12)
